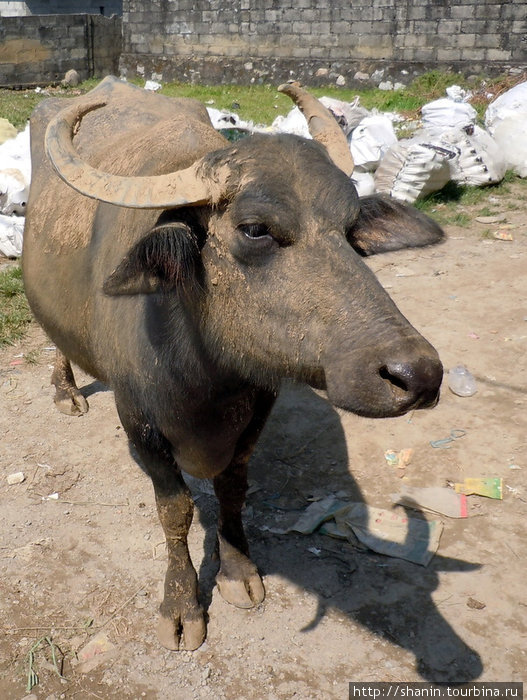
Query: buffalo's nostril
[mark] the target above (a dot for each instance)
(395, 378)
(414, 383)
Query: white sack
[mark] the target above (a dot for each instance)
(410, 170)
(11, 235)
(511, 137)
(445, 113)
(512, 103)
(480, 161)
(370, 141)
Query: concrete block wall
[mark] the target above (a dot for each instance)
(319, 41)
(39, 50)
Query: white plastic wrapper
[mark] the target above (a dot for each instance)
(512, 104)
(412, 169)
(370, 141)
(447, 114)
(153, 85)
(11, 235)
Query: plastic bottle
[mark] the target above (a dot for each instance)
(461, 381)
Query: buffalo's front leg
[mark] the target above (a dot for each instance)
(182, 623)
(238, 580)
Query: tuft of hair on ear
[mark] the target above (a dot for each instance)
(171, 252)
(385, 224)
(166, 258)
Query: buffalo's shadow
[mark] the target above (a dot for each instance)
(302, 452)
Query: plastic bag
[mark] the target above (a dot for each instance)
(370, 141)
(293, 123)
(11, 235)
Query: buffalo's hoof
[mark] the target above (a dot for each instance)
(181, 635)
(238, 580)
(244, 593)
(71, 402)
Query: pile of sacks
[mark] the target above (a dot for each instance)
(449, 145)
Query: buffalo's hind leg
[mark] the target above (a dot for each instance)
(182, 623)
(68, 399)
(238, 580)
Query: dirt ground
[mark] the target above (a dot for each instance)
(91, 561)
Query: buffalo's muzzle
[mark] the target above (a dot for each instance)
(414, 384)
(385, 384)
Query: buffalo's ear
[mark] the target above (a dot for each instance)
(384, 224)
(166, 258)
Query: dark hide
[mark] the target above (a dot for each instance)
(193, 315)
(384, 224)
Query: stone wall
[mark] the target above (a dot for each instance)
(39, 50)
(320, 41)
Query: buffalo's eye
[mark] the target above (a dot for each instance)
(255, 231)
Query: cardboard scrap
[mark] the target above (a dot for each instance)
(434, 498)
(491, 488)
(383, 531)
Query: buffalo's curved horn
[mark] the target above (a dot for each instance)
(322, 125)
(180, 188)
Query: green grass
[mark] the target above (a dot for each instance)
(262, 103)
(15, 315)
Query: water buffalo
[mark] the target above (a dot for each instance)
(191, 275)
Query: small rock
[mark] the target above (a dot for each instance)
(71, 78)
(491, 219)
(16, 478)
(98, 650)
(322, 73)
(385, 85)
(475, 604)
(341, 80)
(359, 75)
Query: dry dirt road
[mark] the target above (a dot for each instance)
(91, 561)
